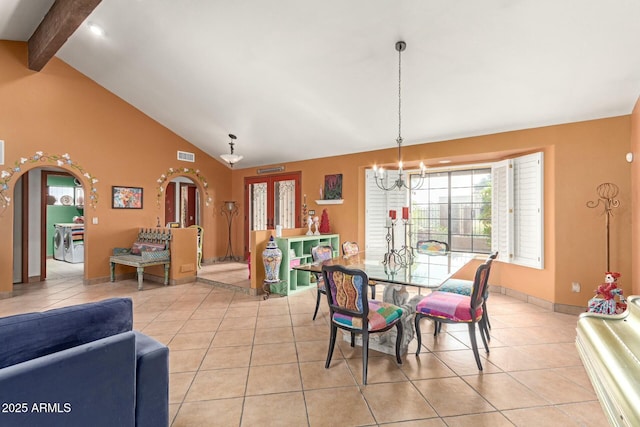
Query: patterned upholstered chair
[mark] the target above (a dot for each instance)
(464, 287)
(320, 253)
(350, 248)
(352, 311)
(432, 247)
(447, 307)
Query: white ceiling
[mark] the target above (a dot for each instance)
(296, 79)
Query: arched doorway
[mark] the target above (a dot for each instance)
(48, 229)
(182, 203)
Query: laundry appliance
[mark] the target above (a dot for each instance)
(58, 242)
(74, 243)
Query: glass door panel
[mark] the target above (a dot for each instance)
(270, 201)
(285, 203)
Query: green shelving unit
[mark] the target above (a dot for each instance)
(296, 250)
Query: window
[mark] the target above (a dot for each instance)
(454, 207)
(482, 209)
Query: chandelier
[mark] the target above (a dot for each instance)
(400, 182)
(231, 159)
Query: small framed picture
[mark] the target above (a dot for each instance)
(126, 197)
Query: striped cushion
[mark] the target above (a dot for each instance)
(447, 305)
(457, 286)
(381, 314)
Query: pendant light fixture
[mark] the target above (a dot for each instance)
(400, 183)
(231, 159)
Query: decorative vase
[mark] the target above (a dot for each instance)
(272, 257)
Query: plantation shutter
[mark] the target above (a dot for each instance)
(517, 212)
(527, 208)
(378, 204)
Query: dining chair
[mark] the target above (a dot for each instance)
(350, 248)
(320, 253)
(447, 307)
(432, 247)
(352, 311)
(200, 232)
(464, 287)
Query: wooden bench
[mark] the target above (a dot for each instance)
(150, 248)
(609, 346)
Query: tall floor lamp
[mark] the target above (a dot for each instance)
(229, 210)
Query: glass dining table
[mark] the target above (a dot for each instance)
(403, 284)
(427, 271)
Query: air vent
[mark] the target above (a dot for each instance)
(186, 157)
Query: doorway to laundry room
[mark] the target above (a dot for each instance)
(48, 229)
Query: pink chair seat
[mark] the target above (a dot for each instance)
(449, 306)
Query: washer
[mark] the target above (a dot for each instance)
(58, 243)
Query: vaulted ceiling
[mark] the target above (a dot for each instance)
(296, 79)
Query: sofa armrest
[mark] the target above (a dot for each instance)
(152, 379)
(91, 384)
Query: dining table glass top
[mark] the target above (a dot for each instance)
(427, 271)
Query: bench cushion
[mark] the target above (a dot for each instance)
(139, 247)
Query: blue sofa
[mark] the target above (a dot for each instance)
(82, 365)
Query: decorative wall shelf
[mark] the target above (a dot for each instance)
(330, 202)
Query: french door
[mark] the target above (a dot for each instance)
(271, 200)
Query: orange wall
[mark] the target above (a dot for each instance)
(61, 111)
(58, 111)
(578, 157)
(635, 196)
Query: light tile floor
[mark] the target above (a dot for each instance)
(239, 360)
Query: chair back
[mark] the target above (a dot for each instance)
(432, 247)
(321, 253)
(350, 248)
(480, 283)
(347, 293)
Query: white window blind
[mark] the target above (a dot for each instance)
(378, 204)
(517, 209)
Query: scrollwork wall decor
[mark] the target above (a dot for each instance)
(183, 171)
(61, 160)
(607, 193)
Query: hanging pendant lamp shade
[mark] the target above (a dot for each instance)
(232, 158)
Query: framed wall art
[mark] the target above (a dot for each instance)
(126, 197)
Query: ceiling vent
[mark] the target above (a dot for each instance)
(186, 157)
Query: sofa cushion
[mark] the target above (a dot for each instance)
(31, 335)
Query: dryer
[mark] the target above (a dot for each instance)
(58, 242)
(74, 243)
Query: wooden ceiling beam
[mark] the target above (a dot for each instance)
(64, 17)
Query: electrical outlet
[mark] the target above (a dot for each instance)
(575, 287)
(94, 220)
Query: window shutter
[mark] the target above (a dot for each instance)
(502, 210)
(378, 204)
(527, 208)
